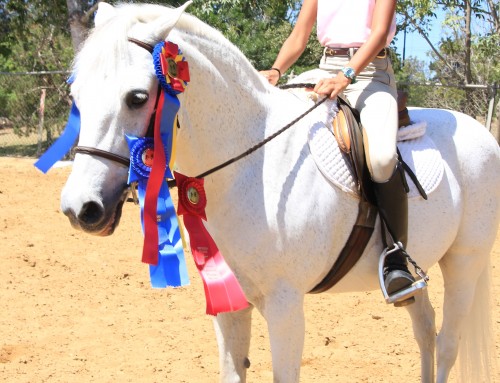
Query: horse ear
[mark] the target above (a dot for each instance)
(104, 12)
(164, 24)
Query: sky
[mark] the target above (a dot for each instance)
(416, 46)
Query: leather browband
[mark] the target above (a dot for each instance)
(142, 44)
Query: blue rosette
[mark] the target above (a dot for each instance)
(171, 270)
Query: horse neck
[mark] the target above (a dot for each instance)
(223, 110)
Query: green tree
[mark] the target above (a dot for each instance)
(35, 38)
(258, 28)
(467, 52)
(413, 72)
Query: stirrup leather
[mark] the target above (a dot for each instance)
(401, 295)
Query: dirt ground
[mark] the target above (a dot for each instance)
(78, 308)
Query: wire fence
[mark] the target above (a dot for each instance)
(477, 101)
(34, 108)
(33, 111)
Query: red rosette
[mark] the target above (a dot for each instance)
(192, 196)
(223, 292)
(173, 67)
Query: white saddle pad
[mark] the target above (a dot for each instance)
(417, 149)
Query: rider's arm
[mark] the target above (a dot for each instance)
(295, 44)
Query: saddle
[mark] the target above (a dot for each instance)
(347, 130)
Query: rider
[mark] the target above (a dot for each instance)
(355, 34)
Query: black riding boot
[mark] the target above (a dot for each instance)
(392, 203)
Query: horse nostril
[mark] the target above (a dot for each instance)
(91, 213)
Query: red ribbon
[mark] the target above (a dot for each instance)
(223, 292)
(156, 178)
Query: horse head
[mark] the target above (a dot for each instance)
(115, 90)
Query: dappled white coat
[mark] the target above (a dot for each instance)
(278, 222)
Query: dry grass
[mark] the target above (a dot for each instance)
(14, 145)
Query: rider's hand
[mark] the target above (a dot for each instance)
(331, 87)
(271, 75)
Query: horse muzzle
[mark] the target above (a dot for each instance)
(94, 216)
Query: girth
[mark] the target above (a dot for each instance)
(352, 250)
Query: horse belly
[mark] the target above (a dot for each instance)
(290, 230)
(433, 227)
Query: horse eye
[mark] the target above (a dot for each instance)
(136, 98)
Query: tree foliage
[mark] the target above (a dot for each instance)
(34, 38)
(258, 28)
(34, 35)
(466, 54)
(42, 35)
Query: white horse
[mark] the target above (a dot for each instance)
(278, 222)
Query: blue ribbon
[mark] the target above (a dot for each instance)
(170, 242)
(171, 269)
(63, 144)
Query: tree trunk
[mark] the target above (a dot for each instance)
(494, 14)
(496, 123)
(468, 42)
(79, 20)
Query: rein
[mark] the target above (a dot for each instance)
(266, 140)
(367, 213)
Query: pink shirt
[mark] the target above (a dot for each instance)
(347, 23)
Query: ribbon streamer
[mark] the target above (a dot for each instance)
(172, 72)
(63, 144)
(223, 292)
(170, 269)
(165, 116)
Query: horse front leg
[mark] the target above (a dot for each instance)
(233, 338)
(284, 314)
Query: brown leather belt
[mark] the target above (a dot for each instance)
(350, 51)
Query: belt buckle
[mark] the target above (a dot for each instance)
(383, 55)
(329, 52)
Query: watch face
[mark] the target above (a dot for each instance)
(350, 74)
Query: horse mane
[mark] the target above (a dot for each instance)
(107, 47)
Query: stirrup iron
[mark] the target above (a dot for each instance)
(404, 294)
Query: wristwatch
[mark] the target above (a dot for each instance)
(350, 74)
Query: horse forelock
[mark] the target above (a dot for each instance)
(104, 50)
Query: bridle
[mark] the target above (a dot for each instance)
(103, 154)
(171, 183)
(106, 154)
(359, 236)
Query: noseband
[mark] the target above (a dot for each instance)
(103, 153)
